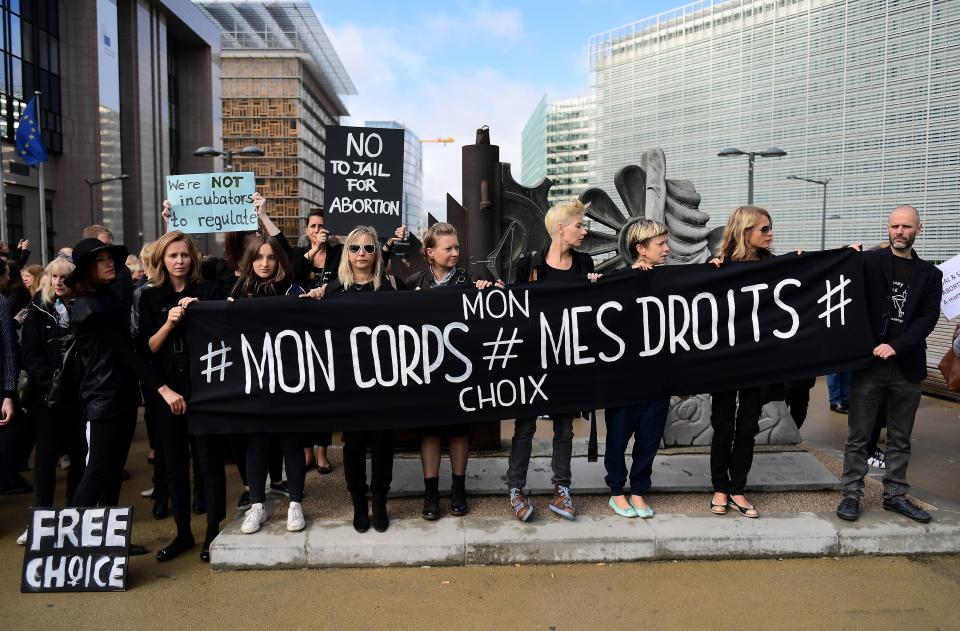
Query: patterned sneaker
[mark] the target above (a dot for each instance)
(253, 519)
(521, 505)
(877, 460)
(562, 504)
(295, 520)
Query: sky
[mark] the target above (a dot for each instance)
(446, 68)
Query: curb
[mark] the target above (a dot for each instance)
(473, 541)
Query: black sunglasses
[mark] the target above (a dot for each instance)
(369, 248)
(764, 230)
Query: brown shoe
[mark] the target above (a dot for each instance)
(521, 505)
(562, 503)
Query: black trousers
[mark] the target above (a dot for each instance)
(173, 448)
(210, 451)
(735, 418)
(259, 447)
(355, 446)
(59, 430)
(109, 442)
(238, 453)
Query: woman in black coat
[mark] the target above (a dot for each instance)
(108, 368)
(59, 427)
(176, 283)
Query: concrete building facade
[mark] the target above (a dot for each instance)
(111, 73)
(866, 93)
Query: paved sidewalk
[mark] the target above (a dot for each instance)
(494, 541)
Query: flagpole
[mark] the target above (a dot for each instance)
(43, 196)
(3, 201)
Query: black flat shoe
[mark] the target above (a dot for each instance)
(205, 553)
(160, 509)
(743, 510)
(908, 509)
(849, 509)
(175, 549)
(324, 470)
(136, 550)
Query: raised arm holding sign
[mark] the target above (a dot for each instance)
(211, 202)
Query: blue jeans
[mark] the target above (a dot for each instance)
(838, 385)
(645, 422)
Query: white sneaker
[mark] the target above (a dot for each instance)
(295, 520)
(22, 539)
(147, 493)
(253, 519)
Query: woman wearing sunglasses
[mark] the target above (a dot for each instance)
(265, 272)
(735, 417)
(441, 249)
(361, 271)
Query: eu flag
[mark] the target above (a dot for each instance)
(29, 141)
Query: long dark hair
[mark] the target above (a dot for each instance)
(234, 247)
(249, 284)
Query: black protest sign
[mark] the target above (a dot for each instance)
(363, 179)
(77, 550)
(407, 359)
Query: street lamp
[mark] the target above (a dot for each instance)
(92, 183)
(249, 151)
(732, 152)
(823, 216)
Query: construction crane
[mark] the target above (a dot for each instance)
(444, 141)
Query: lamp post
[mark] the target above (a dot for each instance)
(823, 215)
(92, 183)
(732, 152)
(249, 151)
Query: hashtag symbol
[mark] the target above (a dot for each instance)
(494, 356)
(219, 354)
(830, 307)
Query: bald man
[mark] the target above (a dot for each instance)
(903, 303)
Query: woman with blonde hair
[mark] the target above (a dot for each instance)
(645, 420)
(735, 415)
(175, 283)
(31, 275)
(60, 427)
(361, 270)
(560, 263)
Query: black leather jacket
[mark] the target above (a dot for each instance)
(40, 346)
(107, 357)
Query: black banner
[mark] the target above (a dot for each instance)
(77, 550)
(406, 359)
(363, 179)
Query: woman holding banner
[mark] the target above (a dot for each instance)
(441, 249)
(176, 283)
(109, 366)
(560, 263)
(735, 415)
(361, 271)
(646, 419)
(265, 272)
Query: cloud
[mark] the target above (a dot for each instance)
(374, 55)
(480, 21)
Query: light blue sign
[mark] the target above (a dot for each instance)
(211, 202)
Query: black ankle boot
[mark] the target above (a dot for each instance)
(380, 519)
(431, 499)
(361, 518)
(458, 496)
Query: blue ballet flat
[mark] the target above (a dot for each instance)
(623, 512)
(644, 513)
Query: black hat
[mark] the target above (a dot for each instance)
(86, 251)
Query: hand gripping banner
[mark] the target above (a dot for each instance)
(415, 358)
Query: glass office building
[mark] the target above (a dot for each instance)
(865, 92)
(555, 143)
(414, 216)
